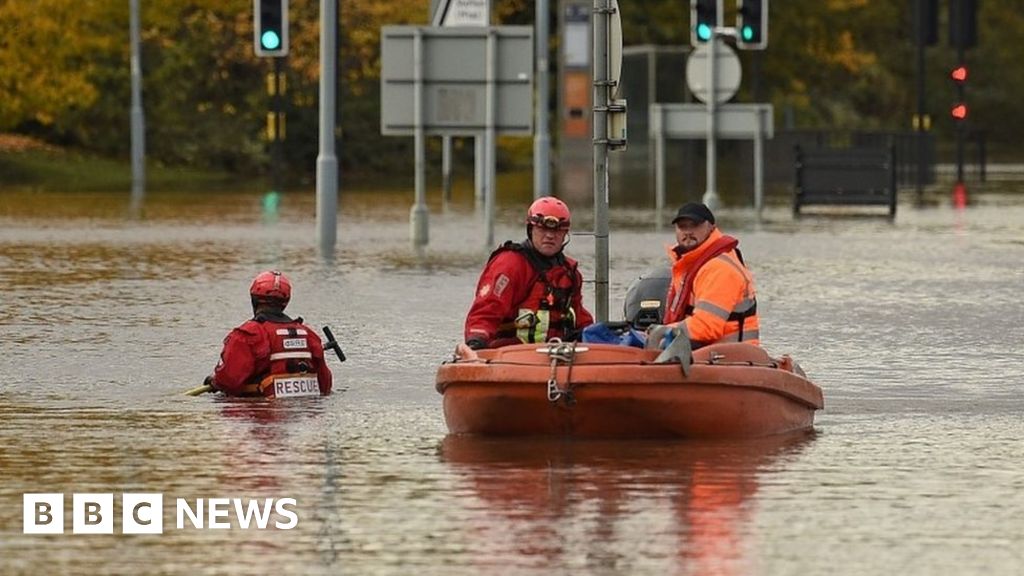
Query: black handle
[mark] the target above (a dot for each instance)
(332, 344)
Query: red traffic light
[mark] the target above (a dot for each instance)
(959, 74)
(959, 112)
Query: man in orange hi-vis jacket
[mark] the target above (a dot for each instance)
(711, 297)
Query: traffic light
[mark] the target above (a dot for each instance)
(963, 23)
(959, 77)
(704, 18)
(270, 34)
(752, 24)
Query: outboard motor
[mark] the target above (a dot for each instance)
(645, 297)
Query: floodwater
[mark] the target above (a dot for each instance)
(914, 329)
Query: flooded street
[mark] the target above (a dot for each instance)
(914, 329)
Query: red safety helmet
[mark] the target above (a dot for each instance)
(271, 285)
(549, 213)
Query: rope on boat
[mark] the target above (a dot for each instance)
(716, 360)
(565, 352)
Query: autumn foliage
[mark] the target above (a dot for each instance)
(65, 76)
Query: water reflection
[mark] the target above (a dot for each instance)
(603, 500)
(265, 441)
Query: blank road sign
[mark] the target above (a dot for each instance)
(454, 77)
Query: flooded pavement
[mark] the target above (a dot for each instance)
(914, 329)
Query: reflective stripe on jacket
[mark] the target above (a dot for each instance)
(263, 349)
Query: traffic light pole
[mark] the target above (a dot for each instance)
(960, 128)
(276, 150)
(919, 124)
(710, 192)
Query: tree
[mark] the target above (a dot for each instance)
(48, 55)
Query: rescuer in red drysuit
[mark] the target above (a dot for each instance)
(272, 355)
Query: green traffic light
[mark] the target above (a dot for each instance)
(270, 40)
(748, 33)
(703, 32)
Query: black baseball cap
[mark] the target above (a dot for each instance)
(694, 211)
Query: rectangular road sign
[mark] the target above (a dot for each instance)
(454, 77)
(732, 121)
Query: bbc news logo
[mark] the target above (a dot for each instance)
(143, 513)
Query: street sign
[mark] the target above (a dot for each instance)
(690, 121)
(734, 121)
(461, 13)
(615, 47)
(727, 74)
(454, 78)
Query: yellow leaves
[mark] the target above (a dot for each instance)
(843, 5)
(54, 52)
(47, 54)
(844, 53)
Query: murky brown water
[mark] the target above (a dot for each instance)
(915, 331)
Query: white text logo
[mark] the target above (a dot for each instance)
(143, 513)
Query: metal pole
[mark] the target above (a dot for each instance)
(982, 157)
(960, 97)
(446, 171)
(418, 215)
(654, 145)
(600, 19)
(491, 111)
(659, 164)
(137, 114)
(276, 150)
(759, 161)
(919, 126)
(710, 192)
(479, 184)
(542, 138)
(326, 160)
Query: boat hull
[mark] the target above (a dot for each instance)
(618, 392)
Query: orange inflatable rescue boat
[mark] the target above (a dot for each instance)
(592, 390)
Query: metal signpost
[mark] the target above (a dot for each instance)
(451, 13)
(713, 73)
(723, 80)
(542, 137)
(138, 120)
(609, 134)
(458, 82)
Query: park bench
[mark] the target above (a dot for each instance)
(845, 177)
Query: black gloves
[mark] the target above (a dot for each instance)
(476, 343)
